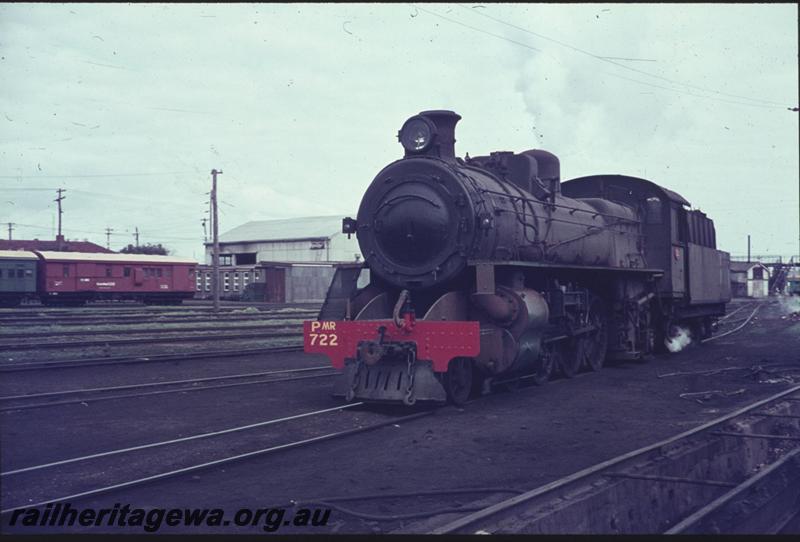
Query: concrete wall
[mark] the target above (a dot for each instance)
(308, 284)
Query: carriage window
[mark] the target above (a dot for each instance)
(20, 273)
(28, 273)
(168, 273)
(66, 270)
(158, 272)
(126, 271)
(1, 273)
(108, 271)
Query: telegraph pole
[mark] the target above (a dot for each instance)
(59, 238)
(136, 236)
(215, 233)
(10, 227)
(108, 238)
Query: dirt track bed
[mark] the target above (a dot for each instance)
(519, 440)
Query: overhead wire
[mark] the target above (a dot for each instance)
(763, 105)
(618, 64)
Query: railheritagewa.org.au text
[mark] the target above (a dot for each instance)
(154, 519)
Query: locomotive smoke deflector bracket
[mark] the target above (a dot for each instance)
(431, 133)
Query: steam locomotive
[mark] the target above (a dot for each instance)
(489, 268)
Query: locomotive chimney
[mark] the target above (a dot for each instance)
(431, 133)
(445, 122)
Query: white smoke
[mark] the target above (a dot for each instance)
(678, 342)
(789, 304)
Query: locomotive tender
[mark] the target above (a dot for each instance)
(488, 268)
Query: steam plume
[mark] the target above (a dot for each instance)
(679, 342)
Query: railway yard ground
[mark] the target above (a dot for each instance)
(260, 430)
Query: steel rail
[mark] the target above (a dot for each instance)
(137, 319)
(157, 384)
(732, 313)
(177, 440)
(146, 340)
(734, 330)
(717, 503)
(472, 520)
(42, 313)
(223, 461)
(121, 360)
(144, 310)
(212, 326)
(162, 392)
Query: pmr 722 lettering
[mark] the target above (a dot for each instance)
(323, 334)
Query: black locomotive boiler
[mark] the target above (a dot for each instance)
(490, 268)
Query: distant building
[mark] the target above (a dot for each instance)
(58, 245)
(749, 279)
(307, 239)
(280, 261)
(793, 281)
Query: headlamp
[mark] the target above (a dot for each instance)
(417, 134)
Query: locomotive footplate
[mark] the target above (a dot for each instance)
(392, 380)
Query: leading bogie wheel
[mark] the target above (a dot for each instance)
(458, 380)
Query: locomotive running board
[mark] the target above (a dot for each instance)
(549, 265)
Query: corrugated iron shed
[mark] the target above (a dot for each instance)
(289, 229)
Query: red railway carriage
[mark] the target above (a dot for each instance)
(77, 277)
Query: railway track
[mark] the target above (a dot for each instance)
(40, 311)
(125, 320)
(87, 395)
(737, 474)
(206, 337)
(727, 327)
(154, 358)
(139, 331)
(182, 459)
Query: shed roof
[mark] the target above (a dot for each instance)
(310, 227)
(17, 255)
(113, 258)
(39, 244)
(741, 267)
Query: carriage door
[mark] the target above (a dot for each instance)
(275, 291)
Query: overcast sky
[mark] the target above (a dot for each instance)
(129, 107)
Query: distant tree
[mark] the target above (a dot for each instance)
(146, 249)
